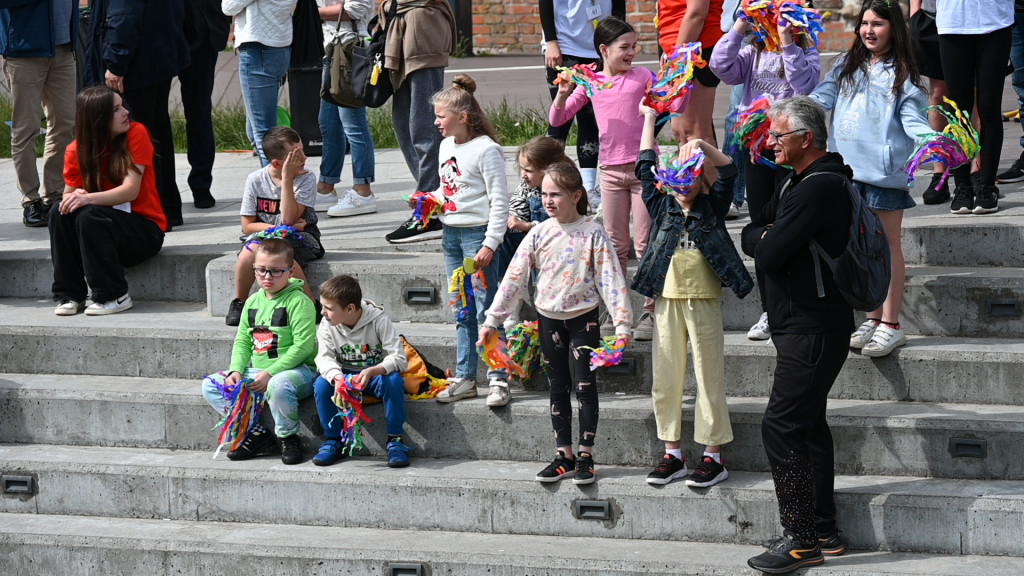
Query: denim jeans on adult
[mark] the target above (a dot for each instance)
(283, 393)
(390, 388)
(1017, 57)
(343, 127)
(460, 243)
(741, 158)
(261, 70)
(413, 117)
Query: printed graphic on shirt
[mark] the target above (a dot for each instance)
(267, 207)
(264, 341)
(449, 172)
(362, 355)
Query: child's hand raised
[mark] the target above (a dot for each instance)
(294, 163)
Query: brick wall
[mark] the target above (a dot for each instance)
(513, 26)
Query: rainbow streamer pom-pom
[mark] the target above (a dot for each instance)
(675, 78)
(956, 145)
(679, 177)
(426, 207)
(280, 232)
(495, 354)
(608, 354)
(524, 347)
(465, 281)
(583, 75)
(243, 413)
(352, 418)
(764, 16)
(751, 130)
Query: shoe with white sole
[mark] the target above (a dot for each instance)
(862, 336)
(499, 394)
(761, 330)
(458, 389)
(68, 308)
(112, 307)
(884, 341)
(352, 204)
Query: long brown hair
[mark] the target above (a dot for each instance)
(900, 53)
(94, 114)
(459, 98)
(567, 177)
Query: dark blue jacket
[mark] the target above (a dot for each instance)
(705, 224)
(141, 40)
(26, 29)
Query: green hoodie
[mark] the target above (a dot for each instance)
(276, 334)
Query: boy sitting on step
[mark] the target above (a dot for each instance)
(275, 347)
(356, 337)
(281, 194)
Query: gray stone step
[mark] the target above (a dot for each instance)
(887, 438)
(499, 497)
(50, 544)
(181, 341)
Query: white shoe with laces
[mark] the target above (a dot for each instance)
(863, 335)
(352, 204)
(761, 330)
(112, 307)
(499, 395)
(68, 308)
(458, 389)
(884, 341)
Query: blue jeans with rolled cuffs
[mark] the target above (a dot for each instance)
(284, 391)
(460, 243)
(390, 388)
(339, 125)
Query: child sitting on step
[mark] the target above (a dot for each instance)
(356, 337)
(275, 348)
(281, 194)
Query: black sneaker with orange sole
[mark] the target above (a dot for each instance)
(786, 555)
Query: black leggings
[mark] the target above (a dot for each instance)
(978, 61)
(587, 143)
(560, 341)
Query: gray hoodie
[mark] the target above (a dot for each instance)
(373, 340)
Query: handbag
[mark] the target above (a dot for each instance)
(370, 80)
(307, 36)
(337, 82)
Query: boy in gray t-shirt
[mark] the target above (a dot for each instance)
(280, 194)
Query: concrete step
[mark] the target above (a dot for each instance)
(887, 438)
(44, 544)
(181, 341)
(499, 497)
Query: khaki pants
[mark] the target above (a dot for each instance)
(36, 84)
(697, 322)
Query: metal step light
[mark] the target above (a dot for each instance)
(592, 510)
(627, 367)
(17, 485)
(406, 569)
(1003, 307)
(968, 448)
(420, 295)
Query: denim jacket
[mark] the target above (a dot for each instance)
(705, 224)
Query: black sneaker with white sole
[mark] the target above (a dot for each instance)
(258, 441)
(670, 468)
(560, 467)
(708, 473)
(1015, 173)
(412, 231)
(987, 200)
(585, 473)
(963, 200)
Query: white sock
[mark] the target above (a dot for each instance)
(716, 456)
(678, 452)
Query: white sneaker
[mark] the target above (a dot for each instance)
(68, 308)
(324, 200)
(112, 307)
(734, 212)
(644, 329)
(761, 330)
(885, 340)
(499, 395)
(863, 335)
(458, 389)
(352, 204)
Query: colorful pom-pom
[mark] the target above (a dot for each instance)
(348, 397)
(281, 232)
(750, 130)
(494, 353)
(583, 75)
(764, 16)
(243, 412)
(524, 347)
(956, 145)
(609, 353)
(675, 78)
(680, 176)
(426, 207)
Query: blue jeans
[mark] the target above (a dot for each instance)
(413, 117)
(261, 69)
(1017, 57)
(742, 157)
(283, 394)
(459, 243)
(389, 388)
(338, 125)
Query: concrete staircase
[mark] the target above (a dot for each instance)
(105, 442)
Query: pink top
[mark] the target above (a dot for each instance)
(617, 111)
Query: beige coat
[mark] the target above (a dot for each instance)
(422, 36)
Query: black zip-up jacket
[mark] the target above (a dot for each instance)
(799, 211)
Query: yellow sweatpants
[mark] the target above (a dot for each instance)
(697, 322)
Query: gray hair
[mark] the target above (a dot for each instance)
(803, 114)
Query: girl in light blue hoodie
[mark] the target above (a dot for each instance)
(877, 104)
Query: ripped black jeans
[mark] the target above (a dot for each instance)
(559, 342)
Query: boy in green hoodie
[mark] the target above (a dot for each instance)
(276, 348)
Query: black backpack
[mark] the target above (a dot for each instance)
(863, 271)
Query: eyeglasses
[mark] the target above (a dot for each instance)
(270, 272)
(776, 136)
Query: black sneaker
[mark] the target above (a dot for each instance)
(987, 200)
(786, 555)
(963, 200)
(831, 545)
(584, 469)
(667, 470)
(1014, 174)
(412, 231)
(234, 315)
(559, 468)
(936, 194)
(291, 449)
(36, 215)
(258, 441)
(708, 473)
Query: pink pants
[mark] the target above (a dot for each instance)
(621, 194)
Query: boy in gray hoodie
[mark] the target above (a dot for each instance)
(356, 337)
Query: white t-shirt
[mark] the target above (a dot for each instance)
(574, 21)
(972, 16)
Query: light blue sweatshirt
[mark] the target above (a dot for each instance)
(874, 132)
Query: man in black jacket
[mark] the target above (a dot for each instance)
(811, 333)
